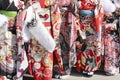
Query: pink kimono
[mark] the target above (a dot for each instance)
(8, 41)
(111, 41)
(8, 45)
(111, 48)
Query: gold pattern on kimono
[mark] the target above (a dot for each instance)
(49, 2)
(83, 60)
(9, 53)
(89, 29)
(2, 58)
(34, 41)
(38, 48)
(54, 18)
(47, 61)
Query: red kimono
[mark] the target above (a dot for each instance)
(67, 37)
(41, 65)
(89, 57)
(34, 28)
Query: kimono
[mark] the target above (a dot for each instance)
(8, 49)
(53, 23)
(8, 44)
(111, 38)
(111, 50)
(22, 62)
(89, 46)
(67, 37)
(31, 29)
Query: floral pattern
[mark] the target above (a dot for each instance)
(89, 59)
(111, 51)
(67, 37)
(40, 59)
(8, 50)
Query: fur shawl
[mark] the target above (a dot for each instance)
(110, 5)
(39, 32)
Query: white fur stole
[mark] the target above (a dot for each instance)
(39, 32)
(108, 6)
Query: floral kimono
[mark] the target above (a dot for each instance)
(51, 18)
(89, 47)
(111, 55)
(8, 47)
(41, 43)
(67, 37)
(111, 41)
(111, 45)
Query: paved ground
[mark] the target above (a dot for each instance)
(96, 76)
(99, 75)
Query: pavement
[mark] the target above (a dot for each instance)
(96, 76)
(99, 75)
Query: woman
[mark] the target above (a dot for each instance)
(89, 51)
(8, 51)
(31, 29)
(64, 61)
(111, 36)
